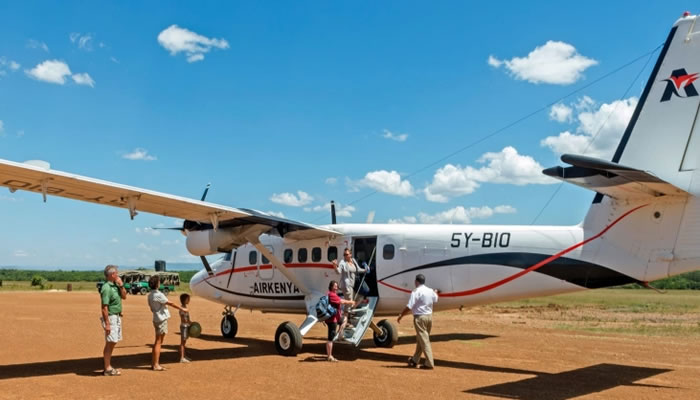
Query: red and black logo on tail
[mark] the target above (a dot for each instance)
(680, 79)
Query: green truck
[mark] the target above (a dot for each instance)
(136, 281)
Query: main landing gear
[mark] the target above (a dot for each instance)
(229, 324)
(384, 334)
(288, 339)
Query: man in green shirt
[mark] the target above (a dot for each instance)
(112, 294)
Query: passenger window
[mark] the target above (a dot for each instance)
(253, 257)
(288, 255)
(302, 255)
(388, 251)
(316, 254)
(332, 253)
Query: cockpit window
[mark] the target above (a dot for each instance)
(228, 256)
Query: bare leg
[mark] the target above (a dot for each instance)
(107, 352)
(155, 359)
(182, 349)
(329, 349)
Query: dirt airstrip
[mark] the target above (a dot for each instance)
(51, 344)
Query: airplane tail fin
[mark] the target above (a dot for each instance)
(649, 191)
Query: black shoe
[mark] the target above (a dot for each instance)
(411, 363)
(426, 367)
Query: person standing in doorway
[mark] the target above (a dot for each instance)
(421, 306)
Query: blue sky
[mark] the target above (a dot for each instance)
(284, 106)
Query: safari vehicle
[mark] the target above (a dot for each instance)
(136, 282)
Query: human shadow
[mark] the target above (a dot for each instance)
(239, 348)
(570, 384)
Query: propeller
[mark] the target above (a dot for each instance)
(187, 225)
(370, 217)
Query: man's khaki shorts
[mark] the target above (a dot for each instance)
(115, 328)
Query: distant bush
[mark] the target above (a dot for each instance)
(38, 280)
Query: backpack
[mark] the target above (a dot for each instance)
(324, 309)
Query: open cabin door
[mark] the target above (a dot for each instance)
(360, 317)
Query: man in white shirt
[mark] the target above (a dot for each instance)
(421, 306)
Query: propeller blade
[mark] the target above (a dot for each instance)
(206, 190)
(370, 217)
(333, 220)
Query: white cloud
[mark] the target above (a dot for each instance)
(176, 40)
(2, 126)
(139, 154)
(83, 79)
(276, 214)
(340, 210)
(114, 240)
(147, 231)
(114, 60)
(55, 71)
(52, 71)
(289, 199)
(5, 63)
(331, 181)
(21, 253)
(399, 137)
(494, 62)
(555, 62)
(9, 198)
(459, 215)
(144, 246)
(561, 113)
(35, 44)
(506, 167)
(84, 42)
(607, 123)
(389, 182)
(170, 242)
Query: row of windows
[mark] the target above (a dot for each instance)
(316, 255)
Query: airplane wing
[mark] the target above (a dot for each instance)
(22, 176)
(611, 179)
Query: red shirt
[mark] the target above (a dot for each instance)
(335, 301)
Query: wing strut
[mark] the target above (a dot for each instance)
(255, 241)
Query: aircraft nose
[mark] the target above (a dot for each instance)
(196, 282)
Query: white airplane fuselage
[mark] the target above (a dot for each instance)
(466, 263)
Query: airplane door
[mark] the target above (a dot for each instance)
(365, 251)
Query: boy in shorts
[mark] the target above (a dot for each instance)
(184, 325)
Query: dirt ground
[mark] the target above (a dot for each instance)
(51, 345)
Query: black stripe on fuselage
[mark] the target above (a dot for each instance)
(256, 296)
(581, 273)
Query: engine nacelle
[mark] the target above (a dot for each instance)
(207, 242)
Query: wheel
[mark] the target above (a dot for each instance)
(229, 326)
(288, 339)
(389, 336)
(166, 291)
(143, 290)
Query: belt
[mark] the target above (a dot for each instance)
(117, 314)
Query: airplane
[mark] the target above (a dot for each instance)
(643, 225)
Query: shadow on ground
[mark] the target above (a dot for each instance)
(558, 386)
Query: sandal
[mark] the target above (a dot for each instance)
(111, 372)
(332, 359)
(158, 368)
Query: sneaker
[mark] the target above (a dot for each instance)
(111, 372)
(185, 360)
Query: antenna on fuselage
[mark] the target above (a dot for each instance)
(206, 190)
(333, 220)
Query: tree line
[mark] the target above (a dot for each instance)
(66, 276)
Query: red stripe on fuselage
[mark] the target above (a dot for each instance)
(529, 269)
(269, 266)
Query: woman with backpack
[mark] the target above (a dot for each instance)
(333, 321)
